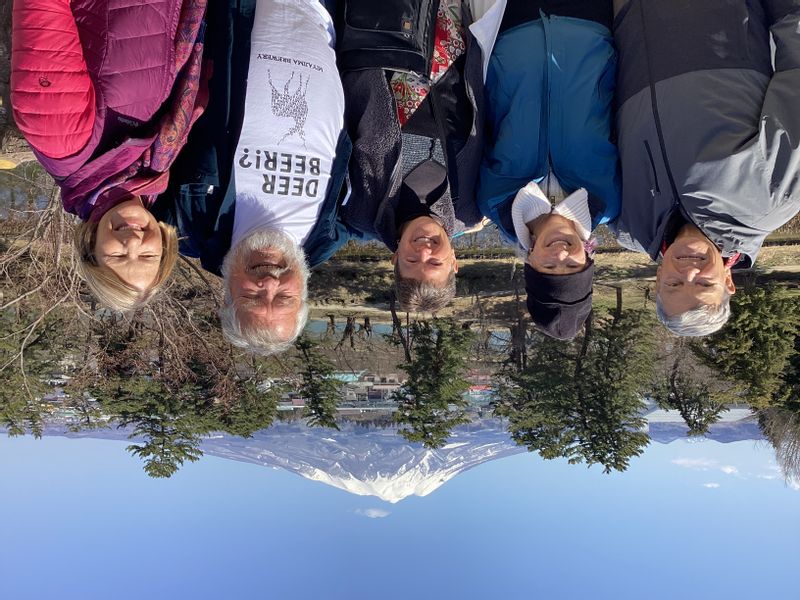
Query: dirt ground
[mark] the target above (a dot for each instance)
(486, 288)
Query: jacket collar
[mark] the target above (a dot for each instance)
(487, 15)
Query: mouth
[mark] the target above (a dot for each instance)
(130, 227)
(265, 269)
(265, 263)
(694, 257)
(565, 242)
(426, 239)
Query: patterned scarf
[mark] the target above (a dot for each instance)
(410, 89)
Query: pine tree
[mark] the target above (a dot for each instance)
(698, 406)
(249, 411)
(756, 345)
(781, 426)
(318, 386)
(788, 395)
(582, 399)
(431, 401)
(167, 421)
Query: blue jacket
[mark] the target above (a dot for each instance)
(549, 92)
(200, 200)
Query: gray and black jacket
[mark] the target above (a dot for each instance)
(383, 154)
(706, 126)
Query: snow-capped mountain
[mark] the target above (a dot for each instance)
(368, 461)
(374, 461)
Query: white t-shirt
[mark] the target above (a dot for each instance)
(294, 113)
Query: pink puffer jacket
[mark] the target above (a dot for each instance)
(91, 87)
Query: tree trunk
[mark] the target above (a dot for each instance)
(398, 326)
(587, 334)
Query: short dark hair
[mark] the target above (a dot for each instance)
(420, 296)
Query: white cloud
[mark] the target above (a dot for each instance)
(373, 513)
(697, 464)
(729, 470)
(770, 477)
(711, 485)
(794, 484)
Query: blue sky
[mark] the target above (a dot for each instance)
(703, 519)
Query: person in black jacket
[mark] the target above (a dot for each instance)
(412, 110)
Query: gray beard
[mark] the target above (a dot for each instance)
(262, 239)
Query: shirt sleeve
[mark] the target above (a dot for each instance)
(52, 95)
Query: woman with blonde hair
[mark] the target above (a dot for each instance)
(106, 93)
(125, 267)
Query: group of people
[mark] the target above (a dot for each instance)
(261, 135)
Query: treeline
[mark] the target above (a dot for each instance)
(167, 375)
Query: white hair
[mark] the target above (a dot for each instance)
(700, 321)
(260, 340)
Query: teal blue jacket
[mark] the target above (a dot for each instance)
(549, 93)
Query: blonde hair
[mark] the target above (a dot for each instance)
(106, 285)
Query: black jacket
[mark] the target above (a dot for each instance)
(451, 117)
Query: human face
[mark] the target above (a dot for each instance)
(692, 273)
(424, 252)
(558, 249)
(129, 243)
(266, 289)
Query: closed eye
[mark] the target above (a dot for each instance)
(284, 300)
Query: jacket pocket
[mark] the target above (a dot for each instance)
(396, 35)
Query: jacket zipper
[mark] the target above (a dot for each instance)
(397, 170)
(659, 131)
(654, 190)
(656, 117)
(546, 117)
(442, 141)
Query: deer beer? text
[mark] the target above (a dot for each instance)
(287, 174)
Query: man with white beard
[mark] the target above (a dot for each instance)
(293, 118)
(266, 290)
(257, 190)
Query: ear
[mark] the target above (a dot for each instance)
(394, 258)
(729, 284)
(455, 265)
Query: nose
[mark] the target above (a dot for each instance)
(132, 243)
(559, 253)
(130, 236)
(424, 252)
(690, 272)
(268, 283)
